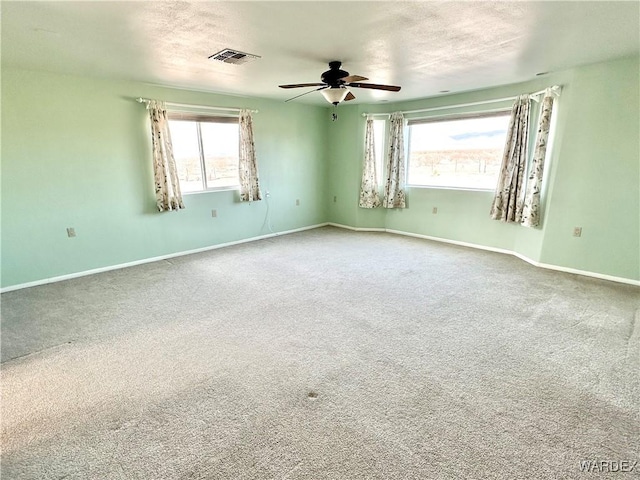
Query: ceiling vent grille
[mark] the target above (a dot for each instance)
(233, 56)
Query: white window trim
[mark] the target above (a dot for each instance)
(459, 116)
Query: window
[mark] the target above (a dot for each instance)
(206, 151)
(379, 133)
(462, 152)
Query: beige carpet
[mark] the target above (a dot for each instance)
(325, 354)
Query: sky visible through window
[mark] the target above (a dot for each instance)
(225, 134)
(461, 153)
(378, 137)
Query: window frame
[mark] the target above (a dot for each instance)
(503, 111)
(198, 118)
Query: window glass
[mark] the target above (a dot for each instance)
(379, 127)
(206, 153)
(220, 143)
(457, 153)
(184, 139)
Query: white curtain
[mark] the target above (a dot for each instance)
(248, 166)
(167, 185)
(369, 197)
(508, 201)
(394, 196)
(531, 210)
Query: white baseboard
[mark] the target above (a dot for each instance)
(452, 242)
(548, 266)
(575, 271)
(357, 229)
(153, 259)
(558, 268)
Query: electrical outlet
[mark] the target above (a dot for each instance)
(335, 199)
(71, 232)
(267, 194)
(435, 210)
(577, 231)
(214, 213)
(297, 202)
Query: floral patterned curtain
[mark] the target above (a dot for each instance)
(531, 210)
(248, 167)
(168, 194)
(508, 201)
(369, 197)
(394, 196)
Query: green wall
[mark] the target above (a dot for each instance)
(592, 176)
(596, 183)
(76, 153)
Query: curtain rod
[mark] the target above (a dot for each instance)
(555, 90)
(187, 105)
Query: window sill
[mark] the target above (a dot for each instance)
(213, 190)
(463, 189)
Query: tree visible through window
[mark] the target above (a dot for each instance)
(457, 153)
(206, 151)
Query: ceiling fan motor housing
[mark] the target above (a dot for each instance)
(333, 76)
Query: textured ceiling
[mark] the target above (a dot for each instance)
(424, 46)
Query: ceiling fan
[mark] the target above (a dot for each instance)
(335, 83)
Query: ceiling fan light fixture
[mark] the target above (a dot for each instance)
(335, 95)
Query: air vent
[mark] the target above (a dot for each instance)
(233, 56)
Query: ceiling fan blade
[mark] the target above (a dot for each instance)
(350, 96)
(354, 78)
(310, 91)
(300, 85)
(375, 86)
